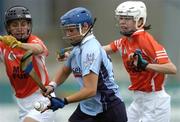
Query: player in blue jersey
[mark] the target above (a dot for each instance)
(99, 96)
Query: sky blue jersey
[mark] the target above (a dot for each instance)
(90, 56)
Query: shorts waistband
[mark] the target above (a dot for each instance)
(139, 94)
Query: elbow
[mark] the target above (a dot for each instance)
(38, 49)
(92, 92)
(173, 69)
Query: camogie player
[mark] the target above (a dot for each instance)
(146, 62)
(18, 23)
(99, 96)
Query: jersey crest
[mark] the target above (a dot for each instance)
(89, 59)
(11, 56)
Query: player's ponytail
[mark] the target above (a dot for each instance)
(147, 27)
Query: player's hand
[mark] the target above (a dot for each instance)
(140, 63)
(11, 41)
(49, 90)
(55, 104)
(62, 56)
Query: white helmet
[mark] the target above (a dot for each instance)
(137, 9)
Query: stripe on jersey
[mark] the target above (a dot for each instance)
(118, 43)
(41, 67)
(107, 95)
(161, 54)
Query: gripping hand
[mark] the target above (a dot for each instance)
(141, 63)
(63, 54)
(57, 103)
(11, 41)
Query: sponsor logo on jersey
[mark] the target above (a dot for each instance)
(77, 72)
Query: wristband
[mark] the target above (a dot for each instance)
(53, 84)
(65, 101)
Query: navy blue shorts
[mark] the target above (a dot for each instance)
(115, 113)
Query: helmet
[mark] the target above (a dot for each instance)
(137, 9)
(15, 13)
(76, 16)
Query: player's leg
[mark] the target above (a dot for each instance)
(134, 110)
(156, 107)
(148, 109)
(163, 108)
(47, 116)
(28, 119)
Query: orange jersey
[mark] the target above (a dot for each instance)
(153, 52)
(22, 83)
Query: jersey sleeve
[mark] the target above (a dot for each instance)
(116, 45)
(154, 50)
(36, 40)
(68, 61)
(91, 60)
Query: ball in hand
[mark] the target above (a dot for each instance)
(39, 106)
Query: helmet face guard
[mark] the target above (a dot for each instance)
(71, 27)
(74, 39)
(135, 9)
(75, 19)
(18, 13)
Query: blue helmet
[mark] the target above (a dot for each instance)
(76, 16)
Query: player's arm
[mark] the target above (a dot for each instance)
(142, 64)
(167, 68)
(60, 77)
(14, 43)
(159, 54)
(35, 48)
(89, 88)
(113, 47)
(62, 74)
(108, 49)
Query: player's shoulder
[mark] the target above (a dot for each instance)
(34, 38)
(146, 35)
(92, 46)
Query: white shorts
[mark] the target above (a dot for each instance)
(149, 107)
(26, 108)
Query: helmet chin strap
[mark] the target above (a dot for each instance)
(83, 35)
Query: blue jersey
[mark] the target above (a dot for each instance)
(90, 56)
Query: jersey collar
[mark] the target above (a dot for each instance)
(88, 37)
(137, 32)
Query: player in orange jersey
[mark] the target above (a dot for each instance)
(146, 62)
(18, 23)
